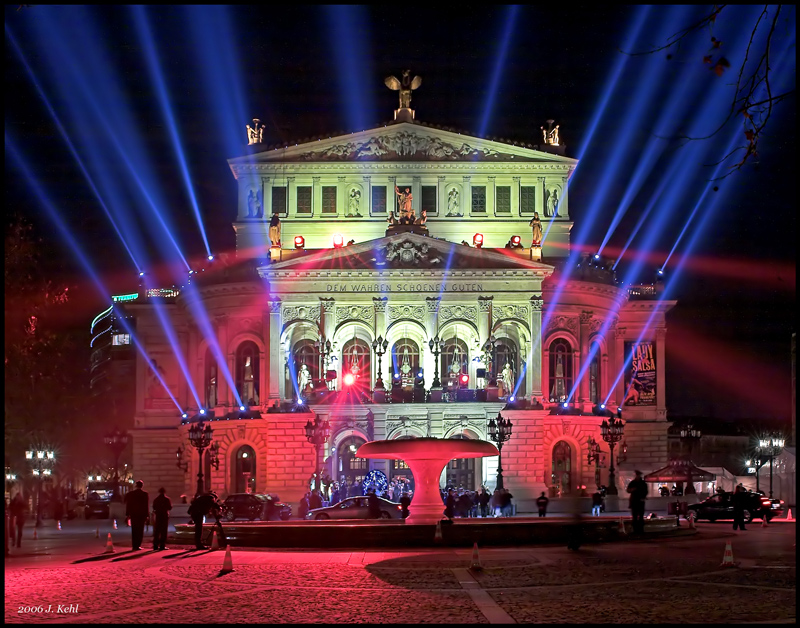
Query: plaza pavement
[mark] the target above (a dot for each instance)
(666, 580)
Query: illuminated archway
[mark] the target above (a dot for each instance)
(244, 473)
(561, 470)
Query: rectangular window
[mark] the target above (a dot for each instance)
(329, 199)
(378, 199)
(503, 202)
(527, 199)
(429, 199)
(279, 200)
(304, 199)
(121, 339)
(478, 199)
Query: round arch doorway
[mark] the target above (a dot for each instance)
(460, 472)
(562, 469)
(351, 469)
(244, 473)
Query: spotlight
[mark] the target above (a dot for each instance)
(597, 255)
(420, 379)
(463, 381)
(602, 406)
(141, 273)
(242, 408)
(184, 416)
(349, 379)
(619, 412)
(191, 272)
(338, 240)
(210, 258)
(660, 273)
(566, 404)
(515, 242)
(299, 242)
(202, 411)
(512, 399)
(477, 240)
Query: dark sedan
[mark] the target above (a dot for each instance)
(96, 507)
(720, 506)
(356, 508)
(255, 506)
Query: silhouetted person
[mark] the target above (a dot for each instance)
(541, 504)
(739, 499)
(137, 507)
(638, 492)
(374, 505)
(483, 499)
(18, 507)
(405, 502)
(450, 504)
(161, 507)
(201, 506)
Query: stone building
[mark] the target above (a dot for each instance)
(409, 247)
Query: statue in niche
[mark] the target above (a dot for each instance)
(552, 203)
(354, 203)
(275, 230)
(254, 206)
(249, 383)
(303, 379)
(558, 393)
(536, 226)
(255, 133)
(405, 87)
(452, 203)
(508, 377)
(407, 216)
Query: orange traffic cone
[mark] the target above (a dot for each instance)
(227, 564)
(789, 514)
(115, 524)
(727, 557)
(35, 536)
(109, 545)
(691, 520)
(438, 536)
(214, 542)
(622, 526)
(764, 522)
(476, 559)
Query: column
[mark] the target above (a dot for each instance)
(466, 197)
(586, 319)
(563, 205)
(391, 200)
(515, 192)
(534, 373)
(291, 197)
(276, 360)
(490, 191)
(540, 199)
(316, 197)
(441, 196)
(366, 210)
(416, 194)
(661, 399)
(267, 198)
(619, 346)
(341, 197)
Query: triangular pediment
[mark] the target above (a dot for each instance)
(406, 251)
(405, 141)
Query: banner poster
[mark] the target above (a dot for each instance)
(640, 374)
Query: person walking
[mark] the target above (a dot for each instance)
(19, 507)
(505, 503)
(137, 507)
(597, 503)
(637, 488)
(541, 504)
(161, 507)
(405, 502)
(201, 506)
(739, 499)
(450, 504)
(483, 499)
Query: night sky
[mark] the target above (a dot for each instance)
(318, 71)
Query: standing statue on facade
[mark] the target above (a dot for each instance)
(354, 203)
(407, 216)
(303, 379)
(536, 225)
(255, 133)
(508, 378)
(275, 230)
(554, 136)
(452, 203)
(552, 203)
(249, 394)
(405, 87)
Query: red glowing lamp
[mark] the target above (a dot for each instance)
(338, 240)
(299, 242)
(515, 240)
(349, 379)
(463, 380)
(477, 240)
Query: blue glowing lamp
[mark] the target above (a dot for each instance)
(512, 398)
(210, 258)
(566, 404)
(597, 255)
(242, 408)
(602, 406)
(202, 411)
(141, 273)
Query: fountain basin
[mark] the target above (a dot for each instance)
(426, 457)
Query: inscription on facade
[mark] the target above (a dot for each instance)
(404, 287)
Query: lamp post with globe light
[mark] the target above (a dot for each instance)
(434, 345)
(40, 462)
(116, 441)
(688, 435)
(499, 431)
(317, 434)
(612, 431)
(379, 346)
(770, 446)
(200, 436)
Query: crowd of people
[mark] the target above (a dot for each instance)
(461, 502)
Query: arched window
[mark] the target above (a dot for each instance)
(405, 362)
(351, 468)
(210, 379)
(356, 360)
(454, 361)
(508, 365)
(594, 374)
(560, 370)
(562, 468)
(307, 354)
(248, 366)
(460, 472)
(245, 470)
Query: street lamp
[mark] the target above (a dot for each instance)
(434, 345)
(200, 436)
(770, 446)
(379, 346)
(612, 431)
(594, 456)
(40, 462)
(688, 435)
(490, 348)
(116, 441)
(499, 432)
(317, 434)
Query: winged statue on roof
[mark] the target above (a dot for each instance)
(405, 87)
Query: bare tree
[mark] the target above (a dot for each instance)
(753, 96)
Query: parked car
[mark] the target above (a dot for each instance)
(96, 507)
(356, 508)
(255, 506)
(720, 506)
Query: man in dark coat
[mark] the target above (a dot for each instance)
(637, 488)
(374, 505)
(137, 507)
(17, 510)
(450, 504)
(541, 504)
(483, 499)
(739, 499)
(161, 507)
(201, 506)
(405, 502)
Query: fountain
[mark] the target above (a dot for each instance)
(426, 457)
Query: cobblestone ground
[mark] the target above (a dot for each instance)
(664, 581)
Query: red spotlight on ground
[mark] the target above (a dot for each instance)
(338, 240)
(463, 381)
(299, 242)
(515, 242)
(477, 240)
(349, 379)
